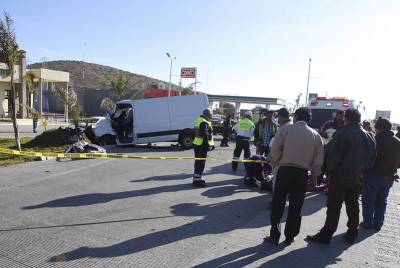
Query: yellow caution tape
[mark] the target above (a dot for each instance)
(119, 156)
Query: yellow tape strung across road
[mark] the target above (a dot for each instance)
(119, 156)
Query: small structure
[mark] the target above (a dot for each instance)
(43, 78)
(46, 79)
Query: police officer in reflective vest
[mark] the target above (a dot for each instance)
(244, 129)
(203, 142)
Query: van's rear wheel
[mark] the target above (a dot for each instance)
(186, 140)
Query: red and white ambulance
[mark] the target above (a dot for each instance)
(324, 108)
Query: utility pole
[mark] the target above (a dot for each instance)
(170, 73)
(308, 80)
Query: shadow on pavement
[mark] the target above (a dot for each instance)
(100, 198)
(313, 255)
(242, 257)
(216, 218)
(316, 255)
(173, 177)
(221, 169)
(143, 149)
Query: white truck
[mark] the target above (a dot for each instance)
(166, 119)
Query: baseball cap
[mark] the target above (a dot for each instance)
(283, 112)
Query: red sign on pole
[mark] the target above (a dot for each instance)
(188, 72)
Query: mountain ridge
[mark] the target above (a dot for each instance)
(86, 75)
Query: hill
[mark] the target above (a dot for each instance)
(86, 75)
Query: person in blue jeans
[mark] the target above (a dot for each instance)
(379, 178)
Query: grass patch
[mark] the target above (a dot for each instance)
(48, 141)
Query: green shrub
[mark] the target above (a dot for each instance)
(49, 138)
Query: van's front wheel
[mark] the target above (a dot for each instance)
(106, 140)
(186, 140)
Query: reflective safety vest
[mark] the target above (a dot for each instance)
(245, 127)
(198, 140)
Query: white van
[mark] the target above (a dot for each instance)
(166, 119)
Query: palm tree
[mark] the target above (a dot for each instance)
(297, 101)
(68, 97)
(10, 55)
(120, 89)
(139, 94)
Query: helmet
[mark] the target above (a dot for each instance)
(207, 112)
(248, 114)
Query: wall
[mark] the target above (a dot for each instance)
(90, 100)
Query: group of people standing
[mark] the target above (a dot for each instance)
(354, 159)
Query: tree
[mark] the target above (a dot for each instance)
(107, 103)
(186, 91)
(77, 113)
(139, 94)
(68, 97)
(120, 87)
(297, 101)
(70, 100)
(119, 90)
(227, 105)
(10, 55)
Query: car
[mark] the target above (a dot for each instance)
(217, 122)
(217, 119)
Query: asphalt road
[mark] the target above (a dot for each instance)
(143, 213)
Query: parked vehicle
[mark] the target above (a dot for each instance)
(166, 119)
(218, 126)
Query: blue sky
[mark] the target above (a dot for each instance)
(258, 48)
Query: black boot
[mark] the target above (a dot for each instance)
(350, 236)
(319, 238)
(199, 183)
(250, 182)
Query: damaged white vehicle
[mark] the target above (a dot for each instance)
(166, 119)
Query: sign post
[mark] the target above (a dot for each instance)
(189, 72)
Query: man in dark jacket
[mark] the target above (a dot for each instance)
(351, 151)
(227, 129)
(379, 178)
(398, 132)
(264, 131)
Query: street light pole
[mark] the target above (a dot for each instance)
(308, 80)
(170, 73)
